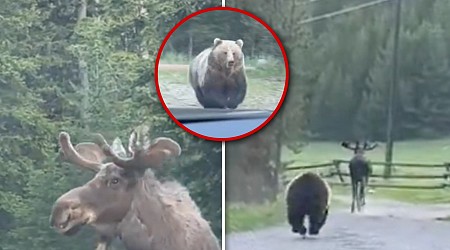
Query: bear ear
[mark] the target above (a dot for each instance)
(217, 41)
(240, 43)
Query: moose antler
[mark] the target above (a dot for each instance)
(357, 146)
(348, 145)
(146, 155)
(71, 155)
(368, 147)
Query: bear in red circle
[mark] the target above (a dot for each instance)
(217, 75)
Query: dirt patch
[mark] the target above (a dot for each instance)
(173, 67)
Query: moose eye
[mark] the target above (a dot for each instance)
(114, 181)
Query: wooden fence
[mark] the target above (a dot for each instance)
(335, 169)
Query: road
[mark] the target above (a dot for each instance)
(382, 226)
(177, 92)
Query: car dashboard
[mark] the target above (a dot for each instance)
(220, 123)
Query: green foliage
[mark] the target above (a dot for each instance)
(199, 33)
(45, 53)
(355, 54)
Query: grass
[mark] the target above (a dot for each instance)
(271, 68)
(265, 81)
(414, 151)
(251, 217)
(243, 217)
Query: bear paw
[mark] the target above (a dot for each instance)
(302, 231)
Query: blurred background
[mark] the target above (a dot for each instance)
(84, 67)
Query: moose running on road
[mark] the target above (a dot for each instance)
(360, 170)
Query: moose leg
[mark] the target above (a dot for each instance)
(103, 243)
(354, 187)
(363, 194)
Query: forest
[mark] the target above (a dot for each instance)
(346, 66)
(340, 72)
(199, 32)
(84, 67)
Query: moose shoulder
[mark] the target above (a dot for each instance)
(127, 201)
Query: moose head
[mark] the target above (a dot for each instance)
(106, 200)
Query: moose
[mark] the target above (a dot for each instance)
(359, 168)
(125, 200)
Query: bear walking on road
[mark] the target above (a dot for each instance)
(307, 195)
(217, 75)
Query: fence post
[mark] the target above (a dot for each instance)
(447, 173)
(337, 164)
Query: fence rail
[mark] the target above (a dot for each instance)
(405, 165)
(335, 170)
(441, 186)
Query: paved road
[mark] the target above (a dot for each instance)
(384, 226)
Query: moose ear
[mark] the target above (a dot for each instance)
(240, 43)
(161, 149)
(217, 41)
(118, 148)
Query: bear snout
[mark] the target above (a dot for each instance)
(230, 63)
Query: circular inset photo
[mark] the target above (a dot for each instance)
(221, 74)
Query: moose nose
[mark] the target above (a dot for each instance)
(61, 214)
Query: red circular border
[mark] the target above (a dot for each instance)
(285, 84)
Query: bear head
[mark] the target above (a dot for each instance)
(227, 53)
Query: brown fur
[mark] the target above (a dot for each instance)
(143, 212)
(217, 75)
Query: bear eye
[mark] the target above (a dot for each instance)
(225, 52)
(234, 53)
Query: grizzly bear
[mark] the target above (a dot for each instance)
(217, 75)
(307, 195)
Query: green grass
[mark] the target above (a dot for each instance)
(244, 217)
(241, 217)
(273, 68)
(265, 81)
(414, 151)
(251, 217)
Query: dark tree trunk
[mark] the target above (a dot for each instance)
(252, 172)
